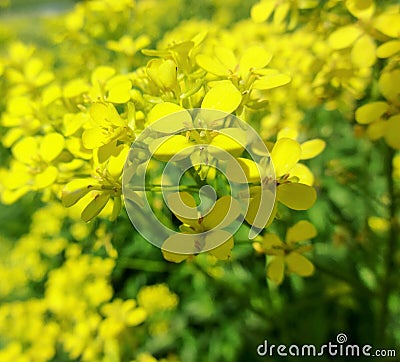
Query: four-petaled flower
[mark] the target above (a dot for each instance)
(288, 254)
(201, 231)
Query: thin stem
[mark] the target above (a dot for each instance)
(387, 282)
(159, 188)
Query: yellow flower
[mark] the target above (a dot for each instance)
(34, 166)
(158, 297)
(309, 149)
(20, 116)
(91, 195)
(239, 78)
(32, 74)
(127, 45)
(108, 87)
(119, 315)
(163, 73)
(288, 254)
(361, 36)
(200, 232)
(263, 10)
(388, 24)
(383, 117)
(285, 155)
(106, 129)
(211, 145)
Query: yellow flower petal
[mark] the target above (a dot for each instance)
(388, 24)
(46, 178)
(224, 240)
(312, 148)
(231, 140)
(224, 97)
(376, 130)
(344, 36)
(363, 52)
(392, 132)
(308, 4)
(285, 154)
(254, 57)
(119, 90)
(184, 207)
(167, 73)
(180, 246)
(51, 146)
(225, 211)
(116, 163)
(104, 152)
(302, 230)
(211, 65)
(179, 121)
(281, 12)
(25, 149)
(93, 138)
(296, 196)
(276, 269)
(102, 74)
(75, 190)
(271, 241)
(95, 206)
(9, 197)
(389, 85)
(243, 170)
(136, 317)
(33, 68)
(75, 88)
(262, 11)
(50, 94)
(361, 9)
(226, 57)
(388, 49)
(299, 264)
(165, 148)
(371, 112)
(271, 81)
(72, 122)
(288, 133)
(303, 173)
(162, 72)
(261, 210)
(173, 257)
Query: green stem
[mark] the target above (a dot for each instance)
(389, 262)
(159, 188)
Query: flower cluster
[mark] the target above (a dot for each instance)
(66, 297)
(69, 128)
(70, 131)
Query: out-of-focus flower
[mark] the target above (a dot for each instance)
(289, 254)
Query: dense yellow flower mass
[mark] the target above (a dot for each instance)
(76, 310)
(73, 102)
